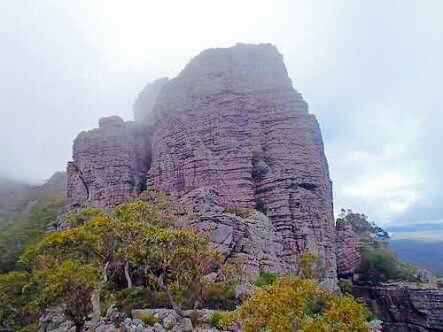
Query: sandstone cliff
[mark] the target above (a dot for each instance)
(405, 307)
(232, 122)
(109, 164)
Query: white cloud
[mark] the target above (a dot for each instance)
(372, 72)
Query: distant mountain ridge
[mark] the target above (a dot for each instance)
(424, 254)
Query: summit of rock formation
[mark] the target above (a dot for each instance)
(231, 123)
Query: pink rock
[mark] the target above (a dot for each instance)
(233, 121)
(109, 164)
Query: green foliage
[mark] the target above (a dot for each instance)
(150, 320)
(83, 216)
(265, 278)
(345, 286)
(215, 319)
(308, 265)
(14, 297)
(220, 295)
(70, 284)
(361, 225)
(291, 304)
(173, 260)
(140, 298)
(379, 264)
(26, 230)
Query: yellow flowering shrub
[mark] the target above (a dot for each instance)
(292, 304)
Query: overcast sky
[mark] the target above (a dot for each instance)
(370, 70)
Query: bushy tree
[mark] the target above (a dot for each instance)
(136, 234)
(11, 298)
(71, 285)
(291, 304)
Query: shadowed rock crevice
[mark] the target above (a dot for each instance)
(109, 164)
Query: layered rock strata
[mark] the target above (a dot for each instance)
(405, 307)
(232, 120)
(353, 231)
(348, 249)
(109, 164)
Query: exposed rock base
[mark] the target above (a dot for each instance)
(405, 307)
(232, 120)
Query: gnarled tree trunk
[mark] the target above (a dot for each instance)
(127, 275)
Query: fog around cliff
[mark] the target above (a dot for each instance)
(371, 73)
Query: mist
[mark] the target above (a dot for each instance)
(371, 71)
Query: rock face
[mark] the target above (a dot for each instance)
(109, 164)
(405, 307)
(232, 120)
(244, 236)
(348, 244)
(352, 230)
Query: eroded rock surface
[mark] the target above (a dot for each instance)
(354, 230)
(405, 307)
(109, 164)
(348, 246)
(232, 120)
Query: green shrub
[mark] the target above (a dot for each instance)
(150, 320)
(220, 296)
(292, 304)
(138, 298)
(345, 286)
(265, 278)
(215, 319)
(379, 264)
(82, 216)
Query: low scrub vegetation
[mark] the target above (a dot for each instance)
(141, 255)
(379, 264)
(293, 304)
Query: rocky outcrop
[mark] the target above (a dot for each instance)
(245, 237)
(352, 231)
(109, 164)
(405, 307)
(232, 120)
(348, 245)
